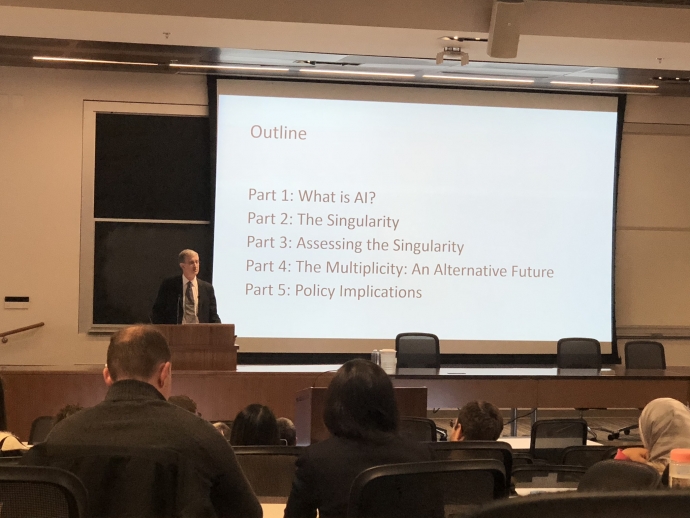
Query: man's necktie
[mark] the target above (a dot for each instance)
(189, 313)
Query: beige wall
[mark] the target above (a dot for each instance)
(40, 200)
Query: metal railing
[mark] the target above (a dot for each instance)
(3, 336)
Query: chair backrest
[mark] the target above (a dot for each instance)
(587, 455)
(616, 475)
(417, 350)
(474, 450)
(627, 504)
(269, 469)
(644, 354)
(550, 437)
(578, 353)
(3, 412)
(548, 476)
(418, 429)
(41, 492)
(131, 481)
(40, 428)
(425, 489)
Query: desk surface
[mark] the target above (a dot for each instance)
(448, 372)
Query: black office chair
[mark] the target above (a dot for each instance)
(616, 475)
(418, 429)
(417, 350)
(550, 437)
(587, 455)
(40, 428)
(579, 356)
(578, 353)
(425, 489)
(628, 504)
(646, 355)
(40, 492)
(128, 481)
(547, 476)
(269, 469)
(474, 450)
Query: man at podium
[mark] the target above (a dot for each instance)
(185, 299)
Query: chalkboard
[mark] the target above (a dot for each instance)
(147, 167)
(152, 167)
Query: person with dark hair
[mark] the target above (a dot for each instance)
(135, 414)
(362, 416)
(287, 431)
(184, 402)
(255, 426)
(478, 421)
(65, 412)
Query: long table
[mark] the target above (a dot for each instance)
(32, 391)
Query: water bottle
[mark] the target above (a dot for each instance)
(376, 356)
(679, 469)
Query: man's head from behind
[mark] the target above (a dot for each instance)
(478, 421)
(139, 353)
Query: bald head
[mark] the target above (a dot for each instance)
(136, 353)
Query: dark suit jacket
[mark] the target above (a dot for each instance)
(327, 469)
(168, 306)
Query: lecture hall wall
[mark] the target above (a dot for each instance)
(40, 204)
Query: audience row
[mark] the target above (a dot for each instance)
(360, 413)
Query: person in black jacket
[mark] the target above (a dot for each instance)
(185, 299)
(362, 416)
(134, 416)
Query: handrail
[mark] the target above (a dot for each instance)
(19, 330)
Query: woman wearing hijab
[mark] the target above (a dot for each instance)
(664, 426)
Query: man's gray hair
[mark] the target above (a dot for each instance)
(185, 254)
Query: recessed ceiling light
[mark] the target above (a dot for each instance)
(93, 61)
(606, 85)
(461, 38)
(353, 72)
(471, 78)
(231, 67)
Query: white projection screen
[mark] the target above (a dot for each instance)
(346, 214)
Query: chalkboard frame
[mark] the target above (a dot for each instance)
(88, 221)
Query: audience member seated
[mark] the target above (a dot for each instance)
(362, 416)
(135, 413)
(65, 412)
(287, 432)
(664, 425)
(223, 429)
(184, 402)
(256, 425)
(478, 421)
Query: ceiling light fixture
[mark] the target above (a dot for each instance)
(461, 38)
(470, 78)
(231, 67)
(606, 85)
(93, 61)
(353, 72)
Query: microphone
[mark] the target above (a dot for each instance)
(179, 298)
(313, 384)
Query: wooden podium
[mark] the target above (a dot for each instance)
(201, 347)
(310, 402)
